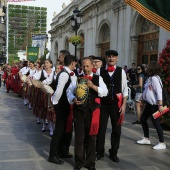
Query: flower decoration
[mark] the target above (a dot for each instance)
(164, 62)
(75, 39)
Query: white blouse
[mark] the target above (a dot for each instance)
(49, 77)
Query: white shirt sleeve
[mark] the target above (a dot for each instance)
(62, 80)
(71, 91)
(124, 84)
(102, 89)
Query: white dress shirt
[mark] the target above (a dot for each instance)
(124, 81)
(32, 72)
(102, 89)
(49, 77)
(62, 80)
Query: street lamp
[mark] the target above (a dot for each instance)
(76, 21)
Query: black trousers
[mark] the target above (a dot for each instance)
(85, 144)
(148, 111)
(60, 141)
(107, 110)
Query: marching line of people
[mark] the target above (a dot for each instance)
(85, 97)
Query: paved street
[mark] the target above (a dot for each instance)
(24, 147)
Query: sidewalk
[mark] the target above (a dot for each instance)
(24, 147)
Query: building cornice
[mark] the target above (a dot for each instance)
(118, 5)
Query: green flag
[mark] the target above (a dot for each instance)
(157, 11)
(32, 53)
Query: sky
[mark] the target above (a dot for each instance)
(51, 5)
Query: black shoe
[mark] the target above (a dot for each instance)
(7, 91)
(99, 156)
(43, 130)
(38, 122)
(136, 122)
(55, 160)
(67, 155)
(90, 168)
(114, 158)
(77, 168)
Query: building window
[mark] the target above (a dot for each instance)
(105, 34)
(148, 26)
(148, 42)
(66, 44)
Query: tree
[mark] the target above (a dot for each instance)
(164, 62)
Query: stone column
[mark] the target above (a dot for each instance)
(134, 49)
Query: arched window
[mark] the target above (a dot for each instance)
(82, 46)
(82, 43)
(104, 33)
(148, 26)
(104, 39)
(66, 44)
(148, 42)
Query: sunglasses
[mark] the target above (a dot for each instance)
(138, 68)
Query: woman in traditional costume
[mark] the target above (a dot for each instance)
(46, 76)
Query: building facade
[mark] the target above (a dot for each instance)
(3, 4)
(108, 24)
(23, 21)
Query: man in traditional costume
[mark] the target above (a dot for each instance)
(62, 109)
(86, 115)
(112, 105)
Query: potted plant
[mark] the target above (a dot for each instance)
(75, 39)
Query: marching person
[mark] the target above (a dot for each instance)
(62, 109)
(113, 105)
(97, 63)
(30, 74)
(86, 115)
(152, 95)
(46, 77)
(64, 150)
(63, 53)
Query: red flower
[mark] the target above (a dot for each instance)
(72, 73)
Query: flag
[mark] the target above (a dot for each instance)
(32, 53)
(39, 40)
(157, 11)
(19, 0)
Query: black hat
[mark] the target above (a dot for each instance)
(111, 52)
(98, 58)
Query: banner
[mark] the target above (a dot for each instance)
(32, 53)
(157, 11)
(19, 0)
(39, 40)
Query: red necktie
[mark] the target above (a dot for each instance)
(72, 73)
(94, 70)
(88, 77)
(110, 68)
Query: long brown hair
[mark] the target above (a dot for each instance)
(153, 69)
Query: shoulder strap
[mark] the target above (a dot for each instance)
(160, 82)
